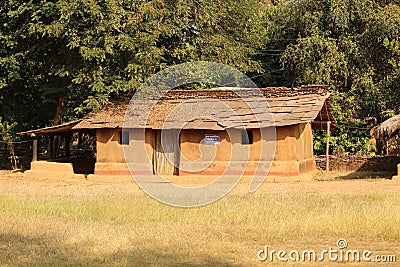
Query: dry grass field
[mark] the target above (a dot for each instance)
(77, 222)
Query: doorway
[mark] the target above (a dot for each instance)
(166, 153)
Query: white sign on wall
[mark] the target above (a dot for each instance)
(211, 139)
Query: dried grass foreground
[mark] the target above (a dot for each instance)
(67, 222)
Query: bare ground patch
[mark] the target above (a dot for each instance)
(25, 185)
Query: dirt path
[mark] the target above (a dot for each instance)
(29, 186)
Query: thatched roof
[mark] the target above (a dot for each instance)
(288, 106)
(387, 128)
(219, 109)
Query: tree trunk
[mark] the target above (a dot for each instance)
(58, 114)
(58, 119)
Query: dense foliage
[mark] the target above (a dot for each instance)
(75, 54)
(60, 59)
(352, 45)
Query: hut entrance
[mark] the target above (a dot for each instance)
(64, 144)
(78, 148)
(166, 153)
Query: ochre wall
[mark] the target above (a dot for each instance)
(293, 151)
(295, 147)
(110, 157)
(305, 154)
(108, 148)
(190, 144)
(214, 159)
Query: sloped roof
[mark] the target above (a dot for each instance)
(219, 108)
(387, 128)
(62, 128)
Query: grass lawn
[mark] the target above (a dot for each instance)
(49, 222)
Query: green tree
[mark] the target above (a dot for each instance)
(6, 134)
(62, 58)
(350, 45)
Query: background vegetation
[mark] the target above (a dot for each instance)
(60, 59)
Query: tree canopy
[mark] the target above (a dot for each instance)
(60, 59)
(351, 45)
(70, 56)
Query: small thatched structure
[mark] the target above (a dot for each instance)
(384, 131)
(387, 128)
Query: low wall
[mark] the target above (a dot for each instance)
(360, 163)
(52, 169)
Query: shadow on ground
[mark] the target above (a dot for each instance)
(19, 250)
(375, 168)
(361, 167)
(367, 175)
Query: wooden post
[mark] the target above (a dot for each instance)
(387, 147)
(34, 148)
(80, 140)
(50, 148)
(328, 135)
(56, 145)
(67, 139)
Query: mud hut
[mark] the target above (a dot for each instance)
(296, 112)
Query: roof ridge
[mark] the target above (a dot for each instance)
(231, 92)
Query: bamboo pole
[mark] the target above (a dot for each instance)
(328, 135)
(34, 149)
(387, 147)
